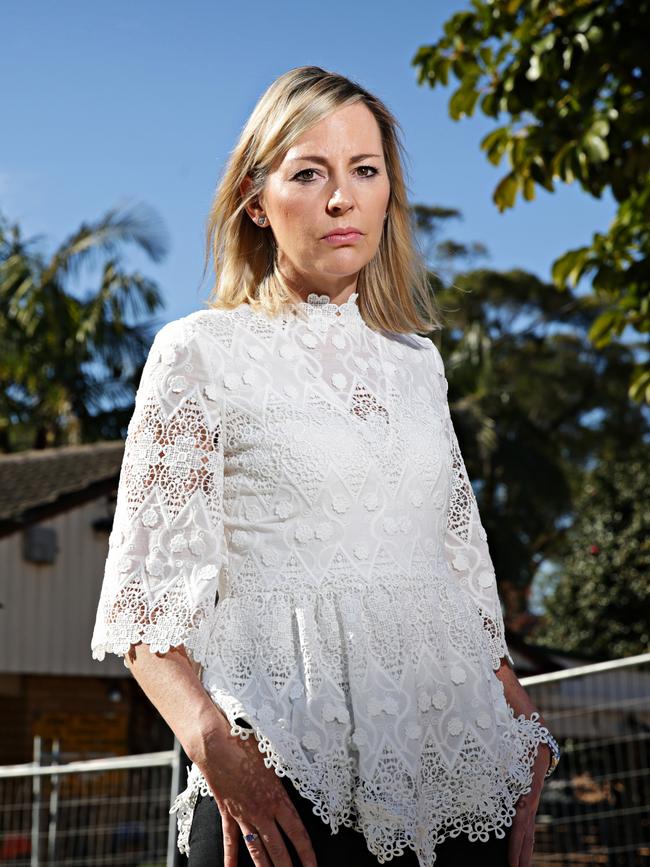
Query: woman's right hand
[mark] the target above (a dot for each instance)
(252, 798)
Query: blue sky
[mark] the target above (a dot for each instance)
(126, 103)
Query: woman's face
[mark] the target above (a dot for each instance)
(333, 177)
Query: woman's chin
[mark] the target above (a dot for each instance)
(343, 262)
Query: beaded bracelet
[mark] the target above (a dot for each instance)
(547, 738)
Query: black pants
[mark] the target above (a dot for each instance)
(346, 848)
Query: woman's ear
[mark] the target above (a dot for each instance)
(254, 209)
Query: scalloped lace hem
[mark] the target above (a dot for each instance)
(118, 640)
(387, 835)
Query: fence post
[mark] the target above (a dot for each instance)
(36, 802)
(54, 806)
(171, 833)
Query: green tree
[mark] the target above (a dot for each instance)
(535, 405)
(600, 598)
(69, 366)
(571, 78)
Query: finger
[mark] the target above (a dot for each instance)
(515, 842)
(270, 843)
(231, 835)
(527, 847)
(257, 847)
(292, 825)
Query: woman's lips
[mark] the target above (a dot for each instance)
(346, 238)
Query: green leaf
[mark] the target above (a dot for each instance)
(596, 148)
(568, 268)
(583, 22)
(582, 41)
(535, 69)
(529, 188)
(600, 127)
(605, 279)
(519, 149)
(640, 386)
(489, 104)
(506, 191)
(583, 165)
(502, 53)
(462, 102)
(486, 54)
(539, 173)
(495, 143)
(603, 328)
(545, 43)
(595, 35)
(560, 164)
(565, 168)
(471, 102)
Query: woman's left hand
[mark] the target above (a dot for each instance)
(522, 833)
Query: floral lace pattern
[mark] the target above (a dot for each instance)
(166, 546)
(293, 507)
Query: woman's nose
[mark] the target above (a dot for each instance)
(338, 199)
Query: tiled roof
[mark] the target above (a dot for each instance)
(32, 479)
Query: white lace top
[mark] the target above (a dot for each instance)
(302, 472)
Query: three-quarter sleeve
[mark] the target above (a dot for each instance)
(466, 545)
(167, 544)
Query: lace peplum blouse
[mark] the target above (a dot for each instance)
(294, 509)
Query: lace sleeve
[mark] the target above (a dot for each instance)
(466, 546)
(166, 545)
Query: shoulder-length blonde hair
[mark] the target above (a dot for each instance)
(391, 286)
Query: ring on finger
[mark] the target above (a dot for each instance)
(250, 837)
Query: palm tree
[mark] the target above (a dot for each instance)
(69, 366)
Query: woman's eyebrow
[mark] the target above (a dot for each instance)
(318, 159)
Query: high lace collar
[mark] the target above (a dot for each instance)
(321, 308)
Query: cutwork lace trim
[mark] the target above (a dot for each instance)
(477, 808)
(320, 307)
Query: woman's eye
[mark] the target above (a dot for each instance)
(297, 177)
(372, 169)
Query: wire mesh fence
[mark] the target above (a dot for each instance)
(594, 810)
(93, 813)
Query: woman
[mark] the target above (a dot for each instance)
(297, 551)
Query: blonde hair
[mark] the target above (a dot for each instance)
(391, 286)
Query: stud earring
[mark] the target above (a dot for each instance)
(261, 220)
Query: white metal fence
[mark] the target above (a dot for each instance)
(595, 808)
(95, 813)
